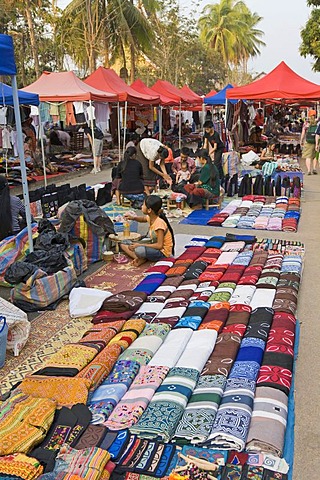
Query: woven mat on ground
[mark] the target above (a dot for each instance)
(53, 329)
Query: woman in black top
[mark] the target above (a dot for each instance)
(131, 174)
(215, 146)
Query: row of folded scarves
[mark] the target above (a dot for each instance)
(260, 213)
(167, 372)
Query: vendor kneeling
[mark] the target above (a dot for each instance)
(208, 185)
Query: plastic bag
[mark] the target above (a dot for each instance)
(18, 325)
(86, 301)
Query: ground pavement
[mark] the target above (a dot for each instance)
(307, 384)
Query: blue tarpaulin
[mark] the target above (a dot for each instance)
(220, 97)
(7, 63)
(25, 98)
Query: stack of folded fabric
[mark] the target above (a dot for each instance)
(243, 258)
(146, 345)
(210, 255)
(203, 291)
(149, 284)
(223, 292)
(218, 219)
(20, 466)
(250, 275)
(236, 246)
(246, 222)
(216, 317)
(233, 273)
(183, 262)
(226, 258)
(136, 399)
(274, 224)
(111, 391)
(195, 270)
(290, 221)
(261, 223)
(162, 266)
(194, 315)
(242, 295)
(172, 348)
(213, 273)
(231, 221)
(121, 306)
(130, 331)
(197, 242)
(214, 242)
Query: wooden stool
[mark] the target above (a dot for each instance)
(124, 201)
(211, 203)
(173, 204)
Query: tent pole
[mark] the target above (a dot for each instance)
(92, 133)
(125, 125)
(203, 114)
(160, 122)
(180, 125)
(22, 160)
(42, 150)
(225, 121)
(119, 139)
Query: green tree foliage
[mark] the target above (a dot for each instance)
(230, 29)
(178, 55)
(310, 36)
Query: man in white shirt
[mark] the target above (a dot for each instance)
(149, 150)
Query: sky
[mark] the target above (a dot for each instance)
(282, 22)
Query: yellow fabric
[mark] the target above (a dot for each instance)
(65, 391)
(24, 422)
(72, 355)
(20, 465)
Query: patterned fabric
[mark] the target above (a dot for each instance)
(201, 410)
(20, 466)
(194, 315)
(269, 421)
(167, 405)
(149, 341)
(260, 323)
(136, 400)
(24, 422)
(72, 356)
(149, 284)
(100, 335)
(109, 394)
(130, 331)
(65, 391)
(97, 370)
(223, 356)
(124, 301)
(216, 317)
(87, 463)
(231, 425)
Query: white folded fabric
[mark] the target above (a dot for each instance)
(242, 295)
(198, 349)
(226, 258)
(172, 348)
(86, 301)
(263, 297)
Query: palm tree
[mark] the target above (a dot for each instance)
(229, 27)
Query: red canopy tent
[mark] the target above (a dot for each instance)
(198, 100)
(281, 83)
(141, 87)
(211, 93)
(107, 80)
(163, 87)
(66, 86)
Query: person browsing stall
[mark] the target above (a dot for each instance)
(131, 178)
(150, 151)
(97, 146)
(215, 146)
(160, 232)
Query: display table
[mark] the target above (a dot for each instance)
(117, 239)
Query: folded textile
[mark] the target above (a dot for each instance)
(172, 348)
(233, 274)
(88, 463)
(193, 315)
(85, 301)
(243, 258)
(198, 350)
(111, 391)
(285, 300)
(263, 297)
(137, 398)
(231, 425)
(226, 258)
(249, 359)
(269, 278)
(242, 294)
(172, 396)
(247, 239)
(250, 275)
(260, 323)
(216, 317)
(162, 266)
(24, 422)
(223, 292)
(69, 360)
(124, 301)
(20, 466)
(233, 246)
(100, 367)
(91, 437)
(195, 270)
(197, 242)
(149, 341)
(172, 312)
(130, 331)
(269, 421)
(239, 314)
(101, 334)
(215, 242)
(259, 258)
(150, 283)
(223, 356)
(165, 289)
(64, 390)
(276, 371)
(196, 422)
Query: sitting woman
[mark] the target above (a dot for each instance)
(12, 210)
(267, 153)
(161, 235)
(131, 184)
(208, 185)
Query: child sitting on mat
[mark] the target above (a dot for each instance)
(161, 235)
